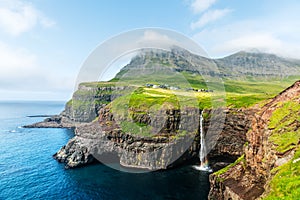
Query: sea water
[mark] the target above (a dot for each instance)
(28, 171)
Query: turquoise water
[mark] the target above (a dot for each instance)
(28, 171)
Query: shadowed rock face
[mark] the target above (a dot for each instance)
(229, 144)
(250, 179)
(104, 138)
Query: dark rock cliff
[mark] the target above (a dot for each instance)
(170, 146)
(229, 144)
(104, 137)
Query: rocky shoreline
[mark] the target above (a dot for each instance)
(56, 121)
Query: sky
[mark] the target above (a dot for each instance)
(43, 44)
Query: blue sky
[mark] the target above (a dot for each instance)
(44, 43)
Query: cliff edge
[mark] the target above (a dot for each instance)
(269, 169)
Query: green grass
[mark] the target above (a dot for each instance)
(286, 136)
(225, 169)
(92, 93)
(258, 87)
(147, 100)
(236, 93)
(235, 100)
(284, 122)
(136, 128)
(97, 84)
(286, 182)
(248, 92)
(78, 104)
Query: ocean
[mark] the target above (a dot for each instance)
(28, 171)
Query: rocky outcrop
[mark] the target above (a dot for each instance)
(249, 179)
(54, 122)
(89, 99)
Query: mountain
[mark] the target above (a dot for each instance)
(239, 65)
(258, 64)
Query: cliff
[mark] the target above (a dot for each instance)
(269, 167)
(89, 99)
(84, 106)
(176, 142)
(104, 139)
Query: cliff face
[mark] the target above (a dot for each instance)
(229, 144)
(104, 140)
(267, 148)
(89, 99)
(84, 106)
(176, 142)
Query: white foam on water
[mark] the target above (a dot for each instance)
(202, 168)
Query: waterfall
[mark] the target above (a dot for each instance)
(202, 152)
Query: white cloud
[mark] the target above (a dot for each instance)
(263, 41)
(156, 37)
(16, 61)
(276, 31)
(199, 6)
(20, 70)
(17, 17)
(263, 35)
(210, 16)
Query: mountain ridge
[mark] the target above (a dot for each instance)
(240, 64)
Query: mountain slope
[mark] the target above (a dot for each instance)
(239, 65)
(258, 64)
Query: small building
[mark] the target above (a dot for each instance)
(174, 88)
(149, 85)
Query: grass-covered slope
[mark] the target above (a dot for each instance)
(285, 125)
(271, 167)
